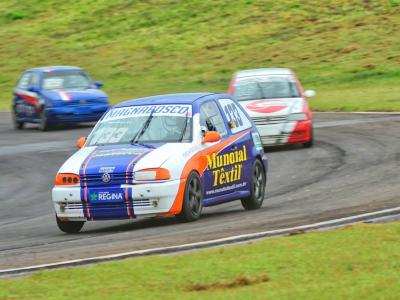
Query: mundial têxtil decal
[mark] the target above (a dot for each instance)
(159, 110)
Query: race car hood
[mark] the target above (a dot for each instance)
(273, 107)
(120, 161)
(113, 160)
(71, 96)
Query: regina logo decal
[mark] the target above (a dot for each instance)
(266, 106)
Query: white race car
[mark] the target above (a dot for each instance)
(166, 155)
(276, 102)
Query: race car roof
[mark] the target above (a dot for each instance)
(54, 68)
(265, 71)
(184, 98)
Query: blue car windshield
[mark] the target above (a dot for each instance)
(66, 80)
(265, 88)
(130, 125)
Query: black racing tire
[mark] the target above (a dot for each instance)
(192, 199)
(69, 226)
(17, 124)
(43, 123)
(310, 143)
(257, 188)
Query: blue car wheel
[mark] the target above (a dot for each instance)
(17, 124)
(43, 122)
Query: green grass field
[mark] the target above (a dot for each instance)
(347, 50)
(357, 262)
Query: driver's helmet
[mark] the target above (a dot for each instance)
(172, 126)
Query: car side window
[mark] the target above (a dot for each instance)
(237, 119)
(34, 80)
(211, 118)
(24, 81)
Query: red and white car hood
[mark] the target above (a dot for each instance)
(273, 107)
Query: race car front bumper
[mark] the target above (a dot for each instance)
(148, 199)
(75, 113)
(285, 133)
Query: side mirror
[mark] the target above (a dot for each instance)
(309, 93)
(211, 137)
(98, 84)
(81, 142)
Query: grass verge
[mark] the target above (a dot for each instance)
(356, 262)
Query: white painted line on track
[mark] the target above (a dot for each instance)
(207, 244)
(358, 112)
(326, 124)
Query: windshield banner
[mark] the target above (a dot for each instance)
(139, 111)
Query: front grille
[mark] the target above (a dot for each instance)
(136, 203)
(85, 101)
(269, 120)
(97, 179)
(276, 139)
(78, 117)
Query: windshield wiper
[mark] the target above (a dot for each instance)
(146, 124)
(184, 129)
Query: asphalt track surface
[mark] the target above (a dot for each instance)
(353, 168)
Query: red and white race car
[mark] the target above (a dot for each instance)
(276, 102)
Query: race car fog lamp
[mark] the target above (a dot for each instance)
(67, 179)
(297, 117)
(152, 174)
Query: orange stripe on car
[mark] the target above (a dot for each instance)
(85, 164)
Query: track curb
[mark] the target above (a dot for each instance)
(208, 244)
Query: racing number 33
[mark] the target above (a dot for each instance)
(233, 115)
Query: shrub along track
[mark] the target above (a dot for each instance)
(353, 169)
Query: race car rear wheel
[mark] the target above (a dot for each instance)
(17, 124)
(43, 123)
(192, 199)
(257, 191)
(69, 226)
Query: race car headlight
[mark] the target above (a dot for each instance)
(152, 174)
(41, 101)
(67, 179)
(297, 117)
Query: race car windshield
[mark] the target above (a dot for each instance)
(140, 129)
(265, 88)
(66, 80)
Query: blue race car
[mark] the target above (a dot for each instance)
(166, 155)
(55, 95)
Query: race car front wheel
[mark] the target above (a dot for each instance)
(43, 123)
(257, 191)
(69, 226)
(17, 124)
(192, 199)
